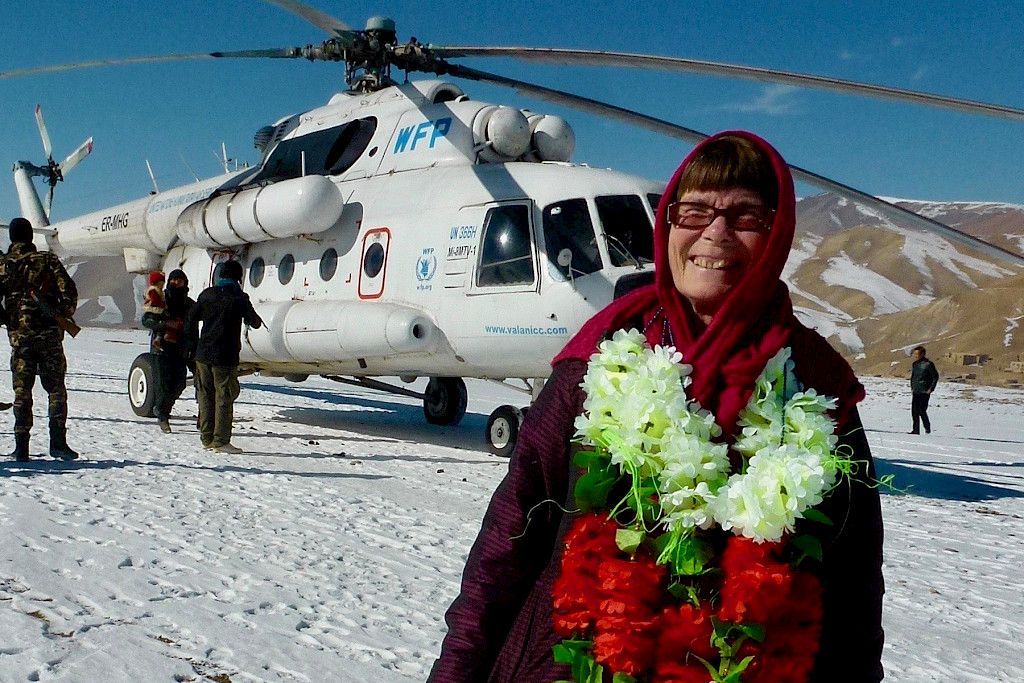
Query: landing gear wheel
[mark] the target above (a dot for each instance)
(444, 401)
(142, 385)
(503, 430)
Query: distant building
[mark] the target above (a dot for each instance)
(962, 359)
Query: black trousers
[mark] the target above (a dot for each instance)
(171, 371)
(919, 410)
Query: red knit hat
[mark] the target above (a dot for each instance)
(155, 277)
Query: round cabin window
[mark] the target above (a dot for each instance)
(285, 269)
(373, 260)
(256, 271)
(328, 264)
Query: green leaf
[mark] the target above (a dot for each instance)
(563, 654)
(629, 540)
(818, 516)
(713, 670)
(737, 670)
(691, 556)
(591, 460)
(809, 545)
(679, 590)
(620, 677)
(658, 543)
(752, 631)
(592, 490)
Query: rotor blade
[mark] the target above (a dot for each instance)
(273, 53)
(43, 133)
(49, 201)
(335, 27)
(73, 159)
(599, 58)
(629, 116)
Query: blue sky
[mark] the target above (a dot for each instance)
(179, 113)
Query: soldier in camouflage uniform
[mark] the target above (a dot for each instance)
(34, 288)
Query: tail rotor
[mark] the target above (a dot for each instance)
(54, 173)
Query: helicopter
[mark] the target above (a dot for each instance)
(404, 229)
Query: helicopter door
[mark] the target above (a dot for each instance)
(374, 263)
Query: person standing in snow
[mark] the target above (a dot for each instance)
(923, 380)
(221, 308)
(167, 344)
(34, 290)
(723, 231)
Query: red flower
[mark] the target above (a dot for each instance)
(673, 672)
(755, 584)
(685, 629)
(625, 644)
(639, 580)
(626, 633)
(792, 636)
(575, 593)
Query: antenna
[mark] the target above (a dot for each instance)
(156, 190)
(191, 172)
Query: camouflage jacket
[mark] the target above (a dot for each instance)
(28, 277)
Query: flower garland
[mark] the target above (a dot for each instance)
(682, 569)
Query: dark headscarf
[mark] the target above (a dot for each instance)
(176, 298)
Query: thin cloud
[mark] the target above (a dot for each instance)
(847, 55)
(774, 100)
(921, 72)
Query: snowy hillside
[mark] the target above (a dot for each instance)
(331, 548)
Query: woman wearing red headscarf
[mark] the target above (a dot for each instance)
(723, 231)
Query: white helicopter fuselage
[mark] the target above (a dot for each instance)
(442, 247)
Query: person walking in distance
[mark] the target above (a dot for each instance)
(221, 308)
(923, 380)
(38, 299)
(167, 344)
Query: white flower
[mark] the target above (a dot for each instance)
(634, 393)
(694, 470)
(636, 409)
(779, 485)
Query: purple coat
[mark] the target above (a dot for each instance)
(499, 627)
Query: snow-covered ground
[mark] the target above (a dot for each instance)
(330, 550)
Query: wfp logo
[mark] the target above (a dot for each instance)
(426, 265)
(408, 137)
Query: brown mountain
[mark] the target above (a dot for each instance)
(877, 289)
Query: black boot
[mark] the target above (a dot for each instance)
(20, 452)
(59, 444)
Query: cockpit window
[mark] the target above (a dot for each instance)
(627, 228)
(325, 152)
(506, 254)
(350, 145)
(567, 225)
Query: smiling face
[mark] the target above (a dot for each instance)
(707, 263)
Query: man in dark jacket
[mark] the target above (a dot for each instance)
(34, 289)
(168, 346)
(221, 308)
(923, 379)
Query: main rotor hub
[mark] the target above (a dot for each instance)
(379, 23)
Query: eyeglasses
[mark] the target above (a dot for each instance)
(742, 217)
